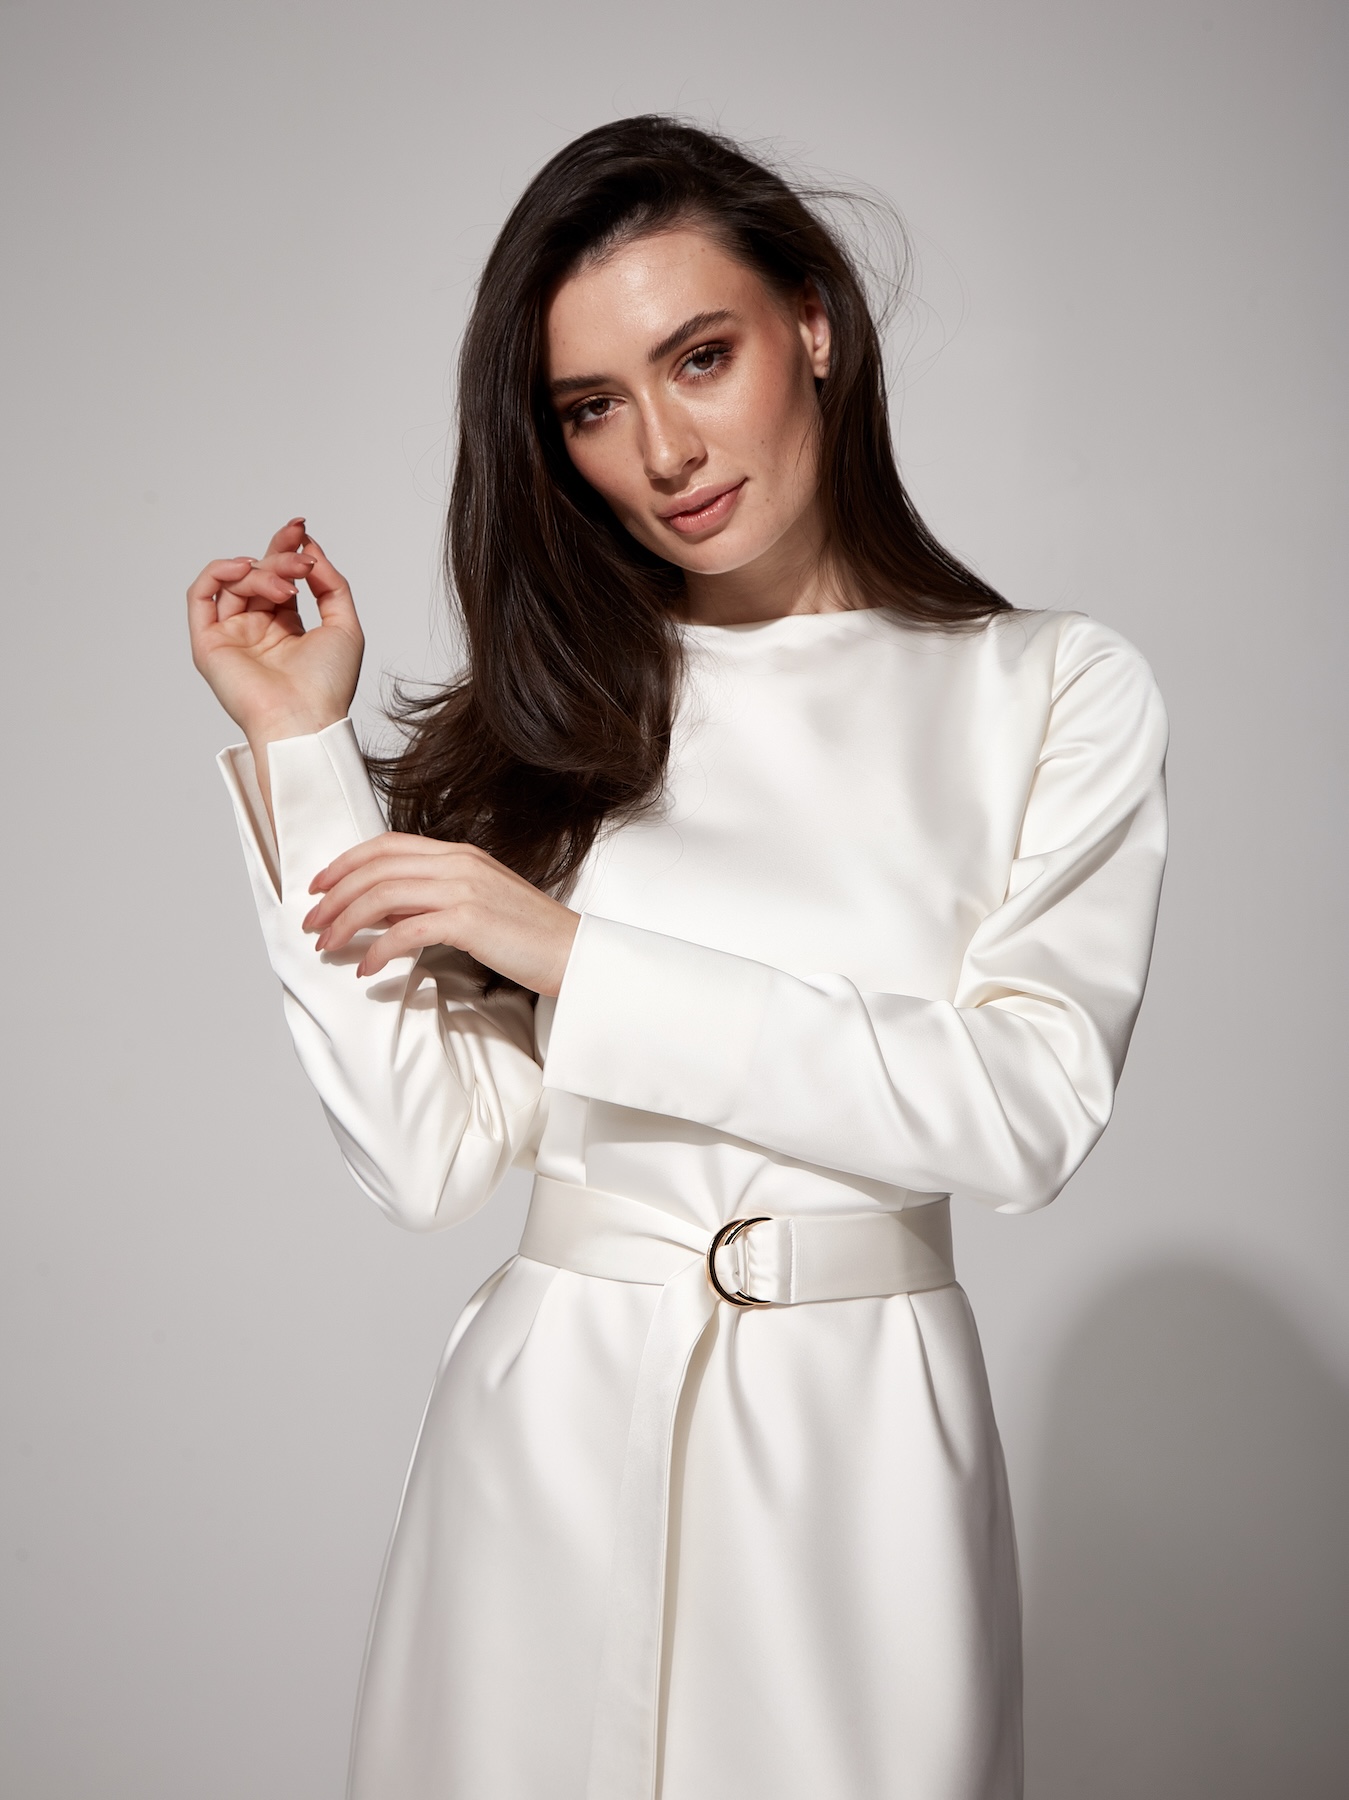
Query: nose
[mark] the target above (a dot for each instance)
(671, 447)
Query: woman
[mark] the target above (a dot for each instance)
(764, 879)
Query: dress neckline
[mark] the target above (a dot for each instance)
(786, 625)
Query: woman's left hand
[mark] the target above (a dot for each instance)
(418, 891)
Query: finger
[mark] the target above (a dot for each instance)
(388, 843)
(202, 595)
(286, 614)
(257, 588)
(396, 854)
(214, 576)
(408, 938)
(369, 875)
(329, 588)
(289, 537)
(263, 583)
(272, 581)
(390, 900)
(293, 564)
(383, 907)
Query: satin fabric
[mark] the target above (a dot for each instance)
(784, 1261)
(885, 937)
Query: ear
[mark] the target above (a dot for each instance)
(813, 323)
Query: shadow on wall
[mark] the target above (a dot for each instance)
(1187, 1604)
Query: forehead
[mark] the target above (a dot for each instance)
(620, 304)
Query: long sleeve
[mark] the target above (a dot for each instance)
(998, 1092)
(431, 1091)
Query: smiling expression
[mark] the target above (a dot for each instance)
(685, 390)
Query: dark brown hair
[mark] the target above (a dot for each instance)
(562, 717)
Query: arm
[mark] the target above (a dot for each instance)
(998, 1093)
(431, 1091)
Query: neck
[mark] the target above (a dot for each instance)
(793, 576)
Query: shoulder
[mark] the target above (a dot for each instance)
(1031, 679)
(1068, 643)
(1101, 677)
(1085, 648)
(1022, 644)
(1077, 667)
(1105, 729)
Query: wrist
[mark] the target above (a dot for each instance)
(565, 936)
(276, 726)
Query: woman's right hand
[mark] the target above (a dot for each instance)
(274, 678)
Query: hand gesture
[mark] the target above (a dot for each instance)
(417, 891)
(274, 678)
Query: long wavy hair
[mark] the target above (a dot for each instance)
(561, 718)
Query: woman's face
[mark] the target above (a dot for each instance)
(685, 389)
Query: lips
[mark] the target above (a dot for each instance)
(705, 507)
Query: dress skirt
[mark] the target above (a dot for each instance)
(843, 1616)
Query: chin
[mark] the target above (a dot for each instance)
(720, 555)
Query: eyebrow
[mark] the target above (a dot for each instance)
(700, 322)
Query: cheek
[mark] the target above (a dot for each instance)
(606, 463)
(775, 419)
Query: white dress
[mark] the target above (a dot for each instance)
(884, 939)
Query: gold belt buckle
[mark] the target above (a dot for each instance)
(727, 1234)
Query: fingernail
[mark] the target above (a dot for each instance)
(253, 563)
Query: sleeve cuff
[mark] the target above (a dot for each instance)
(322, 802)
(656, 1023)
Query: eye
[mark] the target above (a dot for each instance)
(593, 411)
(705, 360)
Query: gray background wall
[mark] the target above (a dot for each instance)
(239, 243)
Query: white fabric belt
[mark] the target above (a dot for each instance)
(780, 1261)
